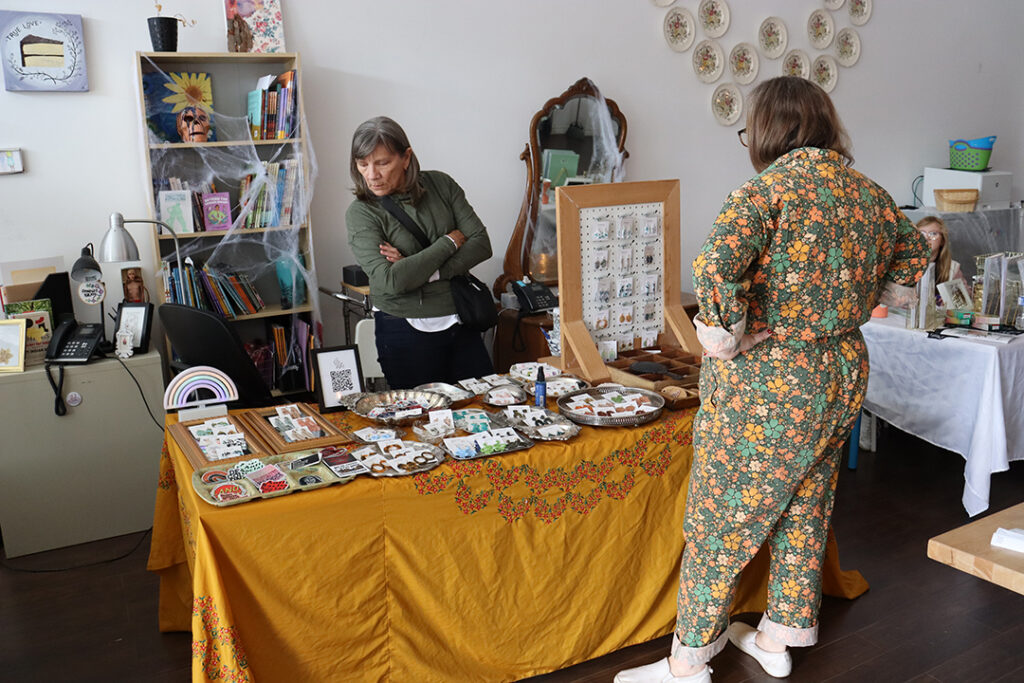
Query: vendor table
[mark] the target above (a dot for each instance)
(952, 393)
(969, 549)
(484, 570)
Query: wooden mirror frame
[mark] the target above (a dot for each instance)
(517, 253)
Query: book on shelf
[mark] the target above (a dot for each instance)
(271, 107)
(207, 289)
(176, 210)
(216, 210)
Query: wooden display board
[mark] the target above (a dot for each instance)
(612, 240)
(256, 419)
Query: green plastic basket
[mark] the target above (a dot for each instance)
(970, 155)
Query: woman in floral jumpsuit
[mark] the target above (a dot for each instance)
(795, 262)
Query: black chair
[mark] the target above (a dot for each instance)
(204, 338)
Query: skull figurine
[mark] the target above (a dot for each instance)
(193, 124)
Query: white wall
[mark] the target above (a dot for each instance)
(464, 79)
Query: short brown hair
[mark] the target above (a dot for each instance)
(944, 258)
(789, 112)
(381, 130)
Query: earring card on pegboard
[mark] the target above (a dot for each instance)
(619, 274)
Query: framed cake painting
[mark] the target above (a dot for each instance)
(42, 52)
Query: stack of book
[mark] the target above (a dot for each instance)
(230, 294)
(271, 198)
(193, 209)
(271, 107)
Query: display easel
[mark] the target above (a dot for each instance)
(582, 211)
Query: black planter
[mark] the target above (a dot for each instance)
(163, 31)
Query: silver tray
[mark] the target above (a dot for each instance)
(457, 395)
(436, 452)
(657, 400)
(533, 432)
(428, 399)
(205, 488)
(517, 391)
(581, 384)
(523, 445)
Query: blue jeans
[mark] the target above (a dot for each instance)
(410, 357)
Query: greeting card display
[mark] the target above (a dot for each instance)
(293, 427)
(220, 440)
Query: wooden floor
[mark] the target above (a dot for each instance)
(921, 621)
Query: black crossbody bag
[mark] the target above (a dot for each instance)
(473, 301)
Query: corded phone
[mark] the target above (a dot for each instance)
(534, 297)
(74, 343)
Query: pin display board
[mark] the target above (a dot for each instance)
(618, 264)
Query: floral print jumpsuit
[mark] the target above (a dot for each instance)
(802, 249)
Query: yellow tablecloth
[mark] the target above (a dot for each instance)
(485, 570)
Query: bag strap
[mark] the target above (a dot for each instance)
(392, 207)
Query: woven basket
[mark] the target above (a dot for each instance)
(956, 201)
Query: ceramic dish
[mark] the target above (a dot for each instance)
(714, 17)
(457, 395)
(616, 416)
(399, 406)
(727, 104)
(662, 3)
(560, 386)
(820, 29)
(426, 457)
(743, 63)
(834, 4)
(708, 61)
(847, 47)
(796, 63)
(505, 395)
(825, 72)
(860, 12)
(772, 37)
(679, 29)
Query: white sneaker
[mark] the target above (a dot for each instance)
(659, 672)
(777, 664)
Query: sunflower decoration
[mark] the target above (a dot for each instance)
(190, 90)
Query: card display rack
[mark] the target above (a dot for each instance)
(591, 220)
(194, 454)
(258, 420)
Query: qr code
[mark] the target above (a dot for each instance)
(341, 380)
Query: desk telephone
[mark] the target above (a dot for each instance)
(74, 343)
(534, 297)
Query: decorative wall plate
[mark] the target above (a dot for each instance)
(680, 29)
(834, 4)
(665, 3)
(714, 17)
(825, 72)
(727, 104)
(860, 12)
(820, 29)
(847, 47)
(772, 37)
(796, 63)
(743, 63)
(708, 61)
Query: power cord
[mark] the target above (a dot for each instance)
(59, 408)
(143, 395)
(6, 565)
(914, 187)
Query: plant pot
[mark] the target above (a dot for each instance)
(163, 31)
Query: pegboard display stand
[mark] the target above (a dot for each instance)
(619, 272)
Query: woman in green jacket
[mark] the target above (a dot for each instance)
(418, 333)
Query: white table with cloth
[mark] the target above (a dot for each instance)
(962, 395)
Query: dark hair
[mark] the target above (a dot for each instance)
(381, 130)
(789, 112)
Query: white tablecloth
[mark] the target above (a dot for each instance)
(961, 395)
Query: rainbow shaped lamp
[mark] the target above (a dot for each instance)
(200, 392)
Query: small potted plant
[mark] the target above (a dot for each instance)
(163, 31)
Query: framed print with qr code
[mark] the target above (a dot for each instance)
(338, 374)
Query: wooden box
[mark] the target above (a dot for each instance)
(256, 419)
(677, 361)
(194, 454)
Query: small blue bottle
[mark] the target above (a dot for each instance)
(540, 389)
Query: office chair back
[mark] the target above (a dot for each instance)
(204, 338)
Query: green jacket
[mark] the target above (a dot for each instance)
(401, 288)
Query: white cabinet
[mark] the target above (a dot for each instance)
(89, 474)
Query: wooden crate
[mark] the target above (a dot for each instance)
(677, 361)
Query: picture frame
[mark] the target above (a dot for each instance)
(259, 420)
(338, 374)
(137, 317)
(12, 345)
(194, 454)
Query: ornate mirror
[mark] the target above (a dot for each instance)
(577, 137)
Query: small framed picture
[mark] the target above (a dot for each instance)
(12, 345)
(136, 318)
(338, 374)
